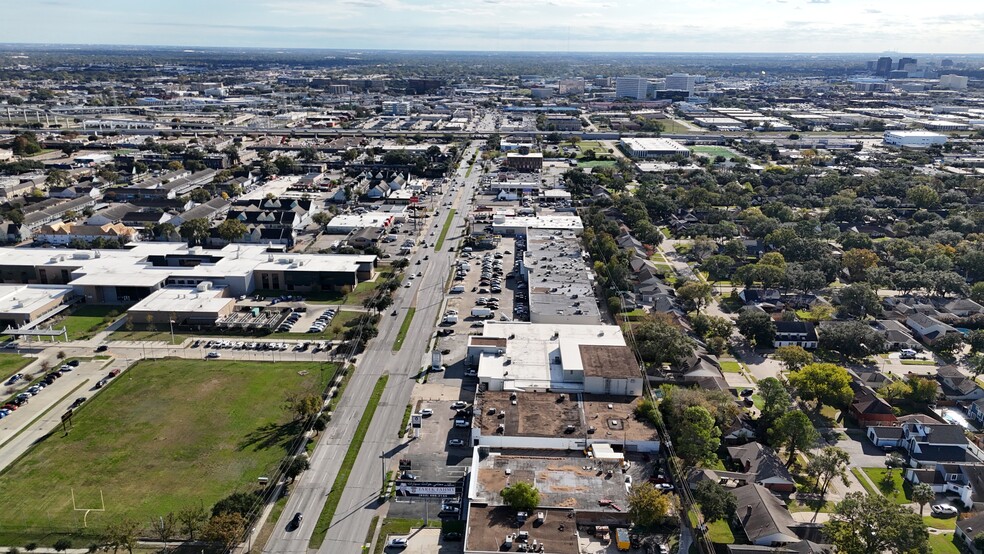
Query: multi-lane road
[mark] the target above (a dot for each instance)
(357, 506)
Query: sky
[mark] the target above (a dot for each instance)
(941, 26)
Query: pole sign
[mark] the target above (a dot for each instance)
(416, 420)
(428, 489)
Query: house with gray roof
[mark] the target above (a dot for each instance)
(764, 517)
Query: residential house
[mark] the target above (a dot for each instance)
(366, 236)
(110, 214)
(628, 243)
(763, 517)
(764, 464)
(931, 444)
(966, 481)
(62, 234)
(927, 328)
(210, 211)
(869, 409)
(967, 530)
(795, 333)
(955, 385)
(11, 232)
(770, 297)
(976, 411)
(885, 437)
(896, 335)
(961, 307)
(143, 219)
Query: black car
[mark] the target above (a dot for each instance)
(102, 348)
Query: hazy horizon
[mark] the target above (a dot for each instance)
(574, 26)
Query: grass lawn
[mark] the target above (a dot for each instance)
(404, 329)
(393, 526)
(720, 532)
(341, 479)
(864, 482)
(713, 151)
(366, 289)
(444, 230)
(896, 490)
(586, 146)
(731, 367)
(917, 362)
(946, 523)
(674, 126)
(11, 364)
(943, 544)
(164, 335)
(163, 436)
(85, 321)
(596, 163)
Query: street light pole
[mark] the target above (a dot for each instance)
(171, 324)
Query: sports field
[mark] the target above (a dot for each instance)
(163, 436)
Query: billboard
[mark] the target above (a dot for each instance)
(432, 489)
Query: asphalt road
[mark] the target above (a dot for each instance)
(358, 502)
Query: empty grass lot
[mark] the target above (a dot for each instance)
(897, 489)
(11, 364)
(163, 436)
(85, 321)
(713, 151)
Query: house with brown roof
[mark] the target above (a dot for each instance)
(64, 233)
(868, 409)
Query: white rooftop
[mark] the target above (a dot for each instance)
(184, 300)
(538, 354)
(26, 299)
(653, 144)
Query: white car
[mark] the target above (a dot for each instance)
(944, 510)
(427, 412)
(213, 355)
(456, 442)
(398, 542)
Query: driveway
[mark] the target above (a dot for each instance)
(863, 453)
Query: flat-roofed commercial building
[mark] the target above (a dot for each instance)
(528, 162)
(559, 279)
(201, 305)
(521, 356)
(119, 276)
(913, 139)
(645, 148)
(520, 225)
(25, 304)
(632, 86)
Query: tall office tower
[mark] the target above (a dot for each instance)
(907, 63)
(681, 81)
(632, 86)
(883, 66)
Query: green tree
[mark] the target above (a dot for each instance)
(647, 504)
(297, 465)
(695, 294)
(852, 339)
(718, 267)
(241, 503)
(232, 230)
(716, 502)
(921, 390)
(226, 529)
(828, 464)
(57, 178)
(285, 165)
(26, 144)
(757, 327)
(859, 260)
(948, 344)
(122, 533)
(923, 196)
(62, 545)
(922, 494)
(521, 496)
(858, 301)
(195, 231)
(192, 520)
(303, 405)
(322, 218)
(793, 357)
(795, 432)
(175, 166)
(164, 527)
(659, 341)
(776, 400)
(873, 524)
(698, 437)
(824, 383)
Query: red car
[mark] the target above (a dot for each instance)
(114, 373)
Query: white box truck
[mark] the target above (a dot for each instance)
(457, 289)
(481, 312)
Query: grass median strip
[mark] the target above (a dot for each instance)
(444, 231)
(341, 480)
(402, 334)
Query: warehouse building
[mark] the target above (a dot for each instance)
(648, 148)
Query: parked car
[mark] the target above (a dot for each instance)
(456, 442)
(427, 412)
(397, 543)
(213, 355)
(942, 510)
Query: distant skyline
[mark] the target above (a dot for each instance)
(821, 26)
